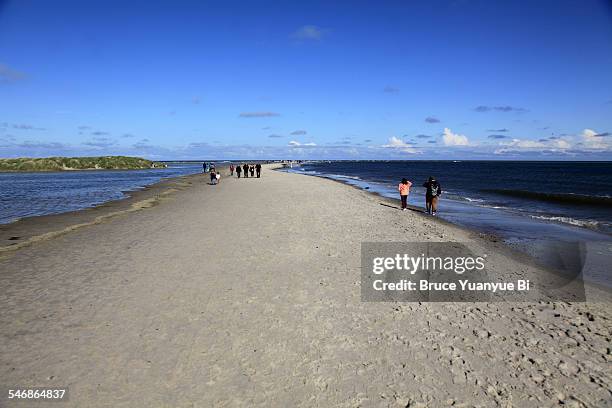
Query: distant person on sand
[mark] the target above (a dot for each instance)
(258, 169)
(204, 167)
(238, 170)
(404, 190)
(252, 170)
(245, 169)
(217, 177)
(213, 176)
(432, 195)
(231, 169)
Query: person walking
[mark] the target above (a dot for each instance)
(434, 190)
(258, 169)
(245, 170)
(231, 169)
(213, 176)
(238, 170)
(217, 177)
(252, 170)
(404, 190)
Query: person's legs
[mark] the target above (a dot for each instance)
(404, 201)
(428, 204)
(434, 205)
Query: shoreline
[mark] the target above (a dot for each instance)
(127, 193)
(458, 204)
(27, 230)
(541, 253)
(30, 230)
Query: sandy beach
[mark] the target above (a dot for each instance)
(247, 293)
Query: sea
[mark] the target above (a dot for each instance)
(44, 193)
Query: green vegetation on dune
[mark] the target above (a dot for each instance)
(78, 163)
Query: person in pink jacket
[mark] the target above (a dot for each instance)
(404, 190)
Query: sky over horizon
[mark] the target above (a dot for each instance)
(458, 80)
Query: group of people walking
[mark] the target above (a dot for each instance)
(245, 169)
(433, 190)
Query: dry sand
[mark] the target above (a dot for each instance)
(248, 294)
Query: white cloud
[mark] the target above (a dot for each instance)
(294, 143)
(399, 144)
(517, 145)
(561, 144)
(524, 144)
(589, 133)
(594, 140)
(454, 139)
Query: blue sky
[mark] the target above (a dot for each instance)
(322, 80)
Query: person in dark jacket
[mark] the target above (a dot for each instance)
(245, 169)
(258, 169)
(432, 195)
(252, 169)
(238, 170)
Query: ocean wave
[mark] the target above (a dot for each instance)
(496, 207)
(568, 220)
(563, 198)
(343, 176)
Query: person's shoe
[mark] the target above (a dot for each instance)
(433, 213)
(403, 209)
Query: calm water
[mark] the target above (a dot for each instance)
(516, 200)
(31, 194)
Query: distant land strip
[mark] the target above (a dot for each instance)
(78, 163)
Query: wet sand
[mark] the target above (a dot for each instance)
(248, 294)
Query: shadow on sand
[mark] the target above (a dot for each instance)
(410, 207)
